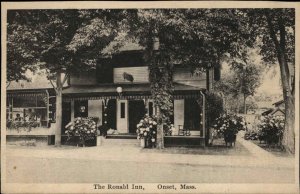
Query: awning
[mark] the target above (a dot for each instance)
(129, 91)
(40, 93)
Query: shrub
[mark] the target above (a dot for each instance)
(24, 125)
(214, 107)
(147, 129)
(229, 123)
(270, 129)
(85, 128)
(251, 135)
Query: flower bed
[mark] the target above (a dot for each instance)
(85, 128)
(147, 130)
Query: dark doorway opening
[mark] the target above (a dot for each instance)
(136, 113)
(110, 114)
(66, 115)
(191, 115)
(80, 108)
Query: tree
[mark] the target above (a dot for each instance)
(275, 32)
(45, 39)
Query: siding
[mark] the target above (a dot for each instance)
(184, 76)
(84, 79)
(139, 74)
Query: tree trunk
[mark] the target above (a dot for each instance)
(245, 107)
(58, 109)
(238, 104)
(160, 130)
(288, 139)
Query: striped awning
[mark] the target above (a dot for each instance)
(129, 92)
(133, 97)
(16, 93)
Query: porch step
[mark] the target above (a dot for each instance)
(120, 142)
(121, 136)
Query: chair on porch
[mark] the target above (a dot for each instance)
(183, 131)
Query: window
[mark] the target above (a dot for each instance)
(28, 108)
(104, 72)
(122, 110)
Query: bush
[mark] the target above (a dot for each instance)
(85, 128)
(147, 129)
(25, 125)
(228, 125)
(214, 107)
(270, 129)
(251, 135)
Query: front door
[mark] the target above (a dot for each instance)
(136, 113)
(122, 116)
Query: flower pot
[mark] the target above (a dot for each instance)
(230, 138)
(142, 143)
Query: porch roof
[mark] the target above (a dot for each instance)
(129, 91)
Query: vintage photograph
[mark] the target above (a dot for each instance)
(140, 100)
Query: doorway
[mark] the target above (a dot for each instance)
(136, 113)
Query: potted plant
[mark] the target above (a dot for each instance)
(228, 125)
(146, 131)
(85, 128)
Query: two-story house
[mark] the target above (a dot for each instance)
(118, 93)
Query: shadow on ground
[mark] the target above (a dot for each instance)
(218, 148)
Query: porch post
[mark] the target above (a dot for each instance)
(160, 133)
(146, 103)
(72, 110)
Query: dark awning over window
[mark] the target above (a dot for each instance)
(18, 93)
(129, 91)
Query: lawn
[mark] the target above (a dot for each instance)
(274, 149)
(218, 148)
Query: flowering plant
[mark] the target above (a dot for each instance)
(270, 129)
(229, 123)
(147, 129)
(24, 125)
(85, 128)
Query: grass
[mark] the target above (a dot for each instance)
(274, 149)
(218, 148)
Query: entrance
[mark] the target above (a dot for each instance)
(136, 113)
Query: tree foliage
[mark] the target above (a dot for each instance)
(72, 40)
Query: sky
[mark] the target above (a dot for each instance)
(270, 83)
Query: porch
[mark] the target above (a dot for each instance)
(122, 112)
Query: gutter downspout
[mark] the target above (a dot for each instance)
(203, 112)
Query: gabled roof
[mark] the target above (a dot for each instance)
(277, 110)
(264, 104)
(37, 82)
(267, 112)
(278, 103)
